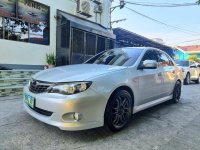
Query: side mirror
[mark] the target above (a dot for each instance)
(149, 64)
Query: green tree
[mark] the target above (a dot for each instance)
(198, 2)
(193, 58)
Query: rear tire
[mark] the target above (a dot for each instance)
(118, 110)
(198, 80)
(176, 92)
(187, 79)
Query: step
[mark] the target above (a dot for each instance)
(10, 98)
(17, 73)
(6, 82)
(11, 91)
(13, 81)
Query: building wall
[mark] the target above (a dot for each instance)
(183, 56)
(14, 52)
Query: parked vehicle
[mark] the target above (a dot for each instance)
(190, 70)
(198, 66)
(104, 91)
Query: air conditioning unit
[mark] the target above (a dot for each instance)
(84, 7)
(98, 8)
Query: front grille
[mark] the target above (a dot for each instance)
(38, 86)
(42, 111)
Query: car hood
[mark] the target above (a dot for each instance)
(81, 72)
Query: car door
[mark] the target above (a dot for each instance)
(168, 73)
(150, 80)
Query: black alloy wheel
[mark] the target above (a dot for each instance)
(177, 92)
(118, 110)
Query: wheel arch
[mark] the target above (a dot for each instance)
(123, 87)
(179, 80)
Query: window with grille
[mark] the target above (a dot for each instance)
(90, 44)
(101, 44)
(77, 52)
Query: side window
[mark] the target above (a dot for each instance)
(164, 61)
(150, 55)
(170, 61)
(193, 64)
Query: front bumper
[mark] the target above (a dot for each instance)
(89, 104)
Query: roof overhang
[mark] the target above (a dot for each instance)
(123, 35)
(86, 25)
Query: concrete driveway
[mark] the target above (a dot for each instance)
(164, 127)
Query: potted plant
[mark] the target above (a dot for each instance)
(51, 60)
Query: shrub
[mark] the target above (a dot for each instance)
(51, 59)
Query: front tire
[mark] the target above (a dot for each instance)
(118, 110)
(176, 92)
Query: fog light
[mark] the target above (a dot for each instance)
(77, 116)
(72, 116)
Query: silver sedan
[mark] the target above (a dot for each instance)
(104, 91)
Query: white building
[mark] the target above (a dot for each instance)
(73, 29)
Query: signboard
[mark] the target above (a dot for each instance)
(39, 34)
(24, 20)
(8, 8)
(33, 12)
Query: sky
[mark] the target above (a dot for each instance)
(187, 18)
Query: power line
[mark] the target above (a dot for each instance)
(162, 23)
(161, 4)
(168, 32)
(187, 41)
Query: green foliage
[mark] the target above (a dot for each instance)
(193, 58)
(51, 59)
(198, 2)
(198, 60)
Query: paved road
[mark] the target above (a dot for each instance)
(164, 127)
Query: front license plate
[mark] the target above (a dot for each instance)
(29, 100)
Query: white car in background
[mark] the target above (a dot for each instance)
(104, 91)
(191, 71)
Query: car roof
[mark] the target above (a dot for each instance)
(182, 60)
(144, 48)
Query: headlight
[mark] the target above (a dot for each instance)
(70, 88)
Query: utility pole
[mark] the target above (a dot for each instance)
(119, 20)
(121, 5)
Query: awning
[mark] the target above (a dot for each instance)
(130, 38)
(86, 25)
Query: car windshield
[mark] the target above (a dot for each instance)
(117, 57)
(183, 63)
